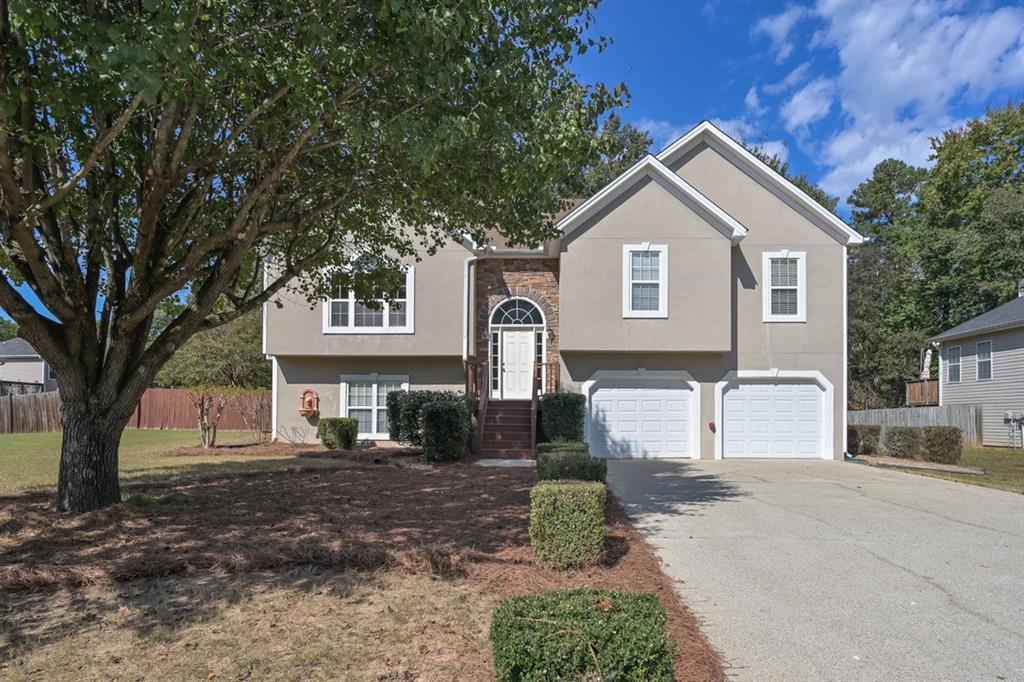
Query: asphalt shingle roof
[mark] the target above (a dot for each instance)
(16, 347)
(1005, 316)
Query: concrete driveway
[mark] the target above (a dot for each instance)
(837, 571)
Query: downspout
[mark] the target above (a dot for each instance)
(465, 308)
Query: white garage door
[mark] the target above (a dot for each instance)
(641, 418)
(772, 419)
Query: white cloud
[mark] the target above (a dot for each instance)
(792, 79)
(905, 68)
(777, 28)
(663, 133)
(775, 148)
(809, 104)
(753, 102)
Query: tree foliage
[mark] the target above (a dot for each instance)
(781, 166)
(150, 148)
(621, 145)
(230, 355)
(8, 329)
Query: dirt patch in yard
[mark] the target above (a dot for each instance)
(459, 522)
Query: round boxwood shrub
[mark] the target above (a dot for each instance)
(446, 428)
(338, 432)
(942, 444)
(903, 441)
(562, 415)
(581, 634)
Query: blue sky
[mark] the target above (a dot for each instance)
(834, 86)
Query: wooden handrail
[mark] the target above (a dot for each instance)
(483, 392)
(534, 390)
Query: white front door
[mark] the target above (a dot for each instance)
(516, 363)
(772, 419)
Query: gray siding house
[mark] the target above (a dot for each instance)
(698, 302)
(981, 362)
(21, 364)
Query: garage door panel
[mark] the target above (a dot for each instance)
(651, 419)
(772, 419)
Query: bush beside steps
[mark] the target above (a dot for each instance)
(567, 522)
(582, 634)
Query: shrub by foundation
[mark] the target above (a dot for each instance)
(412, 402)
(563, 446)
(942, 444)
(581, 634)
(395, 401)
(862, 439)
(338, 432)
(446, 428)
(903, 442)
(567, 522)
(564, 465)
(562, 415)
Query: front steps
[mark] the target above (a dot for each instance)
(505, 432)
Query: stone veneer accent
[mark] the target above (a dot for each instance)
(533, 278)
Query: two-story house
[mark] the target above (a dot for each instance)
(698, 302)
(981, 362)
(23, 370)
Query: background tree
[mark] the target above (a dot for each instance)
(780, 166)
(8, 329)
(230, 355)
(621, 145)
(150, 148)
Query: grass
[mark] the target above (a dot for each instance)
(302, 624)
(1003, 467)
(30, 460)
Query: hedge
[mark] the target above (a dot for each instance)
(581, 634)
(446, 429)
(394, 404)
(862, 439)
(410, 411)
(336, 432)
(563, 446)
(942, 444)
(565, 465)
(567, 522)
(562, 415)
(903, 441)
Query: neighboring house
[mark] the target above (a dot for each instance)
(698, 302)
(981, 362)
(21, 364)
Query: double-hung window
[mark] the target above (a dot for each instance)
(387, 315)
(983, 359)
(953, 365)
(365, 399)
(645, 280)
(784, 277)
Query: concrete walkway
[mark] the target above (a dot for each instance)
(812, 570)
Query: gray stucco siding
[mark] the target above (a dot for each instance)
(1003, 392)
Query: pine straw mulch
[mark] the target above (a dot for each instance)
(459, 520)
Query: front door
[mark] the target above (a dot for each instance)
(516, 363)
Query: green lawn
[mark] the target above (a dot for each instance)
(1003, 467)
(29, 460)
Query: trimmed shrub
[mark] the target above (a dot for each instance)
(942, 444)
(903, 441)
(567, 465)
(395, 401)
(581, 634)
(411, 428)
(563, 446)
(562, 415)
(862, 439)
(338, 432)
(567, 522)
(446, 426)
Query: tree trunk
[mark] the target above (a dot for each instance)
(88, 458)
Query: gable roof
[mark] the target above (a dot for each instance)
(17, 348)
(651, 167)
(1006, 316)
(708, 133)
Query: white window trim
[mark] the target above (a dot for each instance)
(627, 279)
(959, 364)
(375, 379)
(801, 286)
(978, 361)
(410, 313)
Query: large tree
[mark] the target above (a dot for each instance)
(152, 149)
(230, 355)
(621, 145)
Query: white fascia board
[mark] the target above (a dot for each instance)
(650, 166)
(707, 131)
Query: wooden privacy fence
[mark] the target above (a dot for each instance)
(160, 408)
(922, 392)
(966, 417)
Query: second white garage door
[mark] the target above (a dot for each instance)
(641, 418)
(772, 419)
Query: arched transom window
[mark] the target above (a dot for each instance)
(517, 311)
